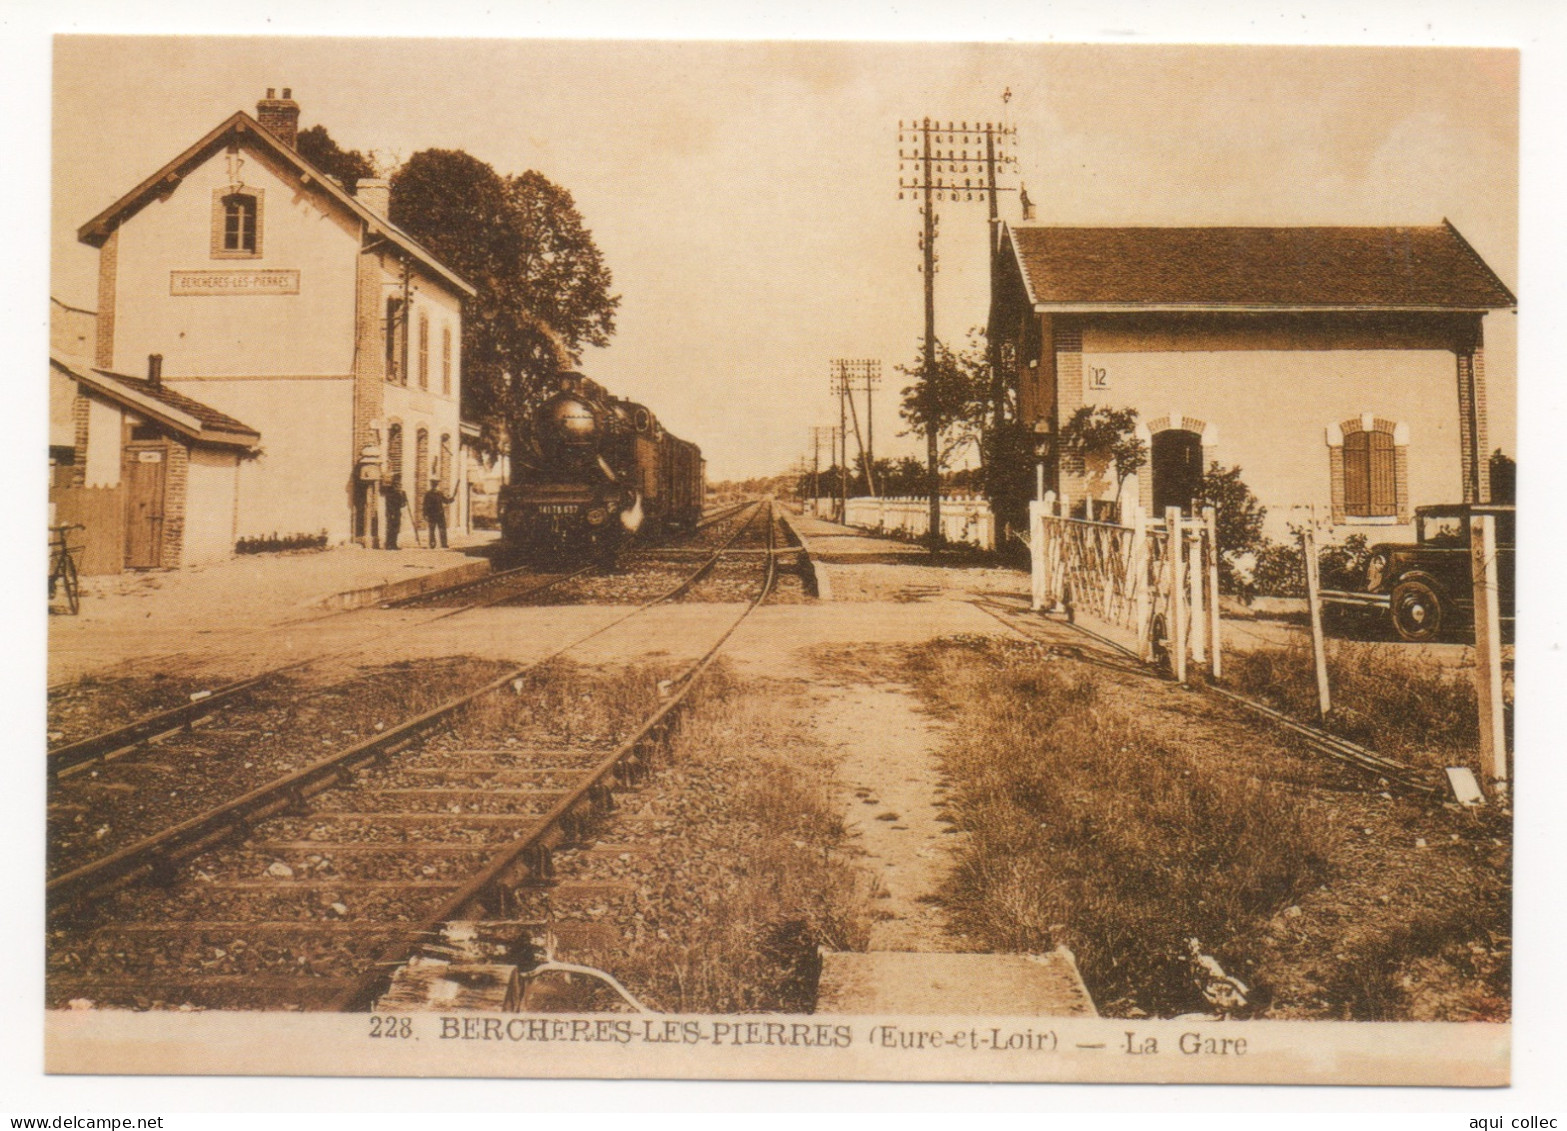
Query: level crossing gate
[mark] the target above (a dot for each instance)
(1148, 586)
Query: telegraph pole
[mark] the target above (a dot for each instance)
(844, 372)
(817, 432)
(974, 155)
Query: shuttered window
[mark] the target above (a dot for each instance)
(424, 350)
(1370, 480)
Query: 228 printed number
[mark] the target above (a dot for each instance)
(391, 1026)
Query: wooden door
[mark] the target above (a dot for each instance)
(144, 491)
(1175, 462)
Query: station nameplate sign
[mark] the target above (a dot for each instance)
(233, 282)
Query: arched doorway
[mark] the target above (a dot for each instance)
(1175, 461)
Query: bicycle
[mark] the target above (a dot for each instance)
(62, 566)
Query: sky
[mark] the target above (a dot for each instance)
(1119, 128)
(745, 194)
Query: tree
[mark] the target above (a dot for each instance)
(1107, 434)
(947, 404)
(346, 166)
(1007, 463)
(1504, 478)
(1238, 518)
(544, 289)
(954, 398)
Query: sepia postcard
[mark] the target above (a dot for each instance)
(781, 560)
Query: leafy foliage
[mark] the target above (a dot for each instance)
(953, 398)
(276, 543)
(1108, 434)
(346, 166)
(1280, 569)
(1238, 519)
(1007, 452)
(1504, 478)
(544, 289)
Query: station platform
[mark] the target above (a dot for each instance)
(833, 542)
(133, 614)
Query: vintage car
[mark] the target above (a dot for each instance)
(1428, 586)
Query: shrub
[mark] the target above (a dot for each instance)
(273, 543)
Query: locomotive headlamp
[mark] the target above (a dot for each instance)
(596, 516)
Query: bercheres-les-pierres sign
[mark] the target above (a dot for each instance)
(233, 282)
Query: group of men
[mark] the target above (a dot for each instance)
(434, 507)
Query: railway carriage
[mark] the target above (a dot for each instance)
(596, 472)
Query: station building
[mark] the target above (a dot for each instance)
(276, 298)
(1338, 367)
(150, 473)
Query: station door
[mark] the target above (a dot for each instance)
(145, 471)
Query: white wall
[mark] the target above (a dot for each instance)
(62, 413)
(1272, 407)
(210, 486)
(103, 444)
(299, 484)
(311, 332)
(429, 408)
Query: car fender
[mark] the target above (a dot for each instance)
(1422, 575)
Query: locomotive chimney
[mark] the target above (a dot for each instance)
(280, 116)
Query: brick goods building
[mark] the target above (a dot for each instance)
(1341, 367)
(150, 473)
(277, 298)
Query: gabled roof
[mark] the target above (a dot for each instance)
(1424, 268)
(190, 417)
(240, 126)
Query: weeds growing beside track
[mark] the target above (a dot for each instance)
(1121, 817)
(1088, 829)
(1384, 698)
(740, 879)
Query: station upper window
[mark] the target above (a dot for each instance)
(236, 224)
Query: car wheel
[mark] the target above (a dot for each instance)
(1416, 611)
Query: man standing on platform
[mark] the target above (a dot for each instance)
(435, 501)
(396, 500)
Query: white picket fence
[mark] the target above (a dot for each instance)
(964, 518)
(1128, 584)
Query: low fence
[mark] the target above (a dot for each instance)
(1152, 587)
(964, 518)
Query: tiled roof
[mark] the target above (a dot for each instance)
(1404, 268)
(197, 420)
(241, 126)
(210, 417)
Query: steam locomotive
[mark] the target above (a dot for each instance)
(596, 471)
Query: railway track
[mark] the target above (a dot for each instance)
(307, 891)
(1406, 777)
(518, 586)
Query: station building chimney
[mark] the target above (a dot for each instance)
(280, 116)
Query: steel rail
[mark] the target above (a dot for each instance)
(1324, 742)
(527, 856)
(157, 855)
(160, 724)
(482, 583)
